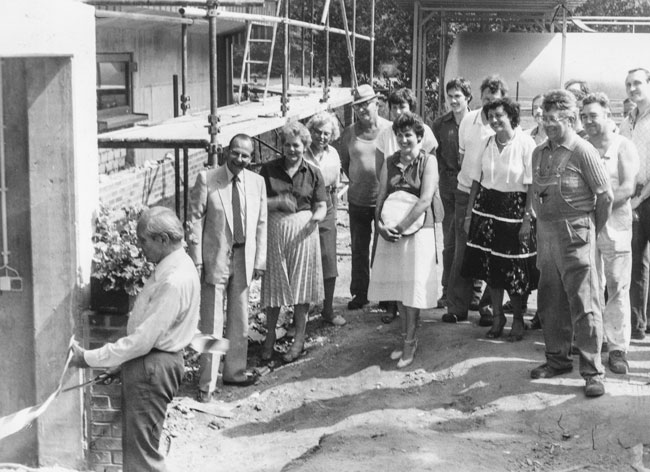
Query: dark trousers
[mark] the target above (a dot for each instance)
(639, 284)
(361, 229)
(460, 289)
(148, 386)
(448, 197)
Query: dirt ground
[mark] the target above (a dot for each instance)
(467, 403)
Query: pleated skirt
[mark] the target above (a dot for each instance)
(293, 261)
(406, 270)
(494, 252)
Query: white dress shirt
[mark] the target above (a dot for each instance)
(165, 315)
(472, 133)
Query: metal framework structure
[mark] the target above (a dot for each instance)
(202, 12)
(547, 15)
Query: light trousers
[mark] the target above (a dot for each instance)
(614, 258)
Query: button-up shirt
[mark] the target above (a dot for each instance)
(306, 185)
(472, 135)
(445, 129)
(636, 127)
(329, 164)
(165, 315)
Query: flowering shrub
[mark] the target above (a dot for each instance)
(118, 262)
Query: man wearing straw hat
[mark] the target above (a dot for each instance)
(163, 321)
(357, 151)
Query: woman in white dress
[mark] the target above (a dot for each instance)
(405, 262)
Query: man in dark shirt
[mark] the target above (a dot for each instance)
(445, 130)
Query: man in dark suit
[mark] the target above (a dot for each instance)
(228, 245)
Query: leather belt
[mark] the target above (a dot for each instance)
(238, 245)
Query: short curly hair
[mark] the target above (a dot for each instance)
(597, 97)
(494, 84)
(512, 109)
(563, 101)
(296, 128)
(323, 118)
(409, 120)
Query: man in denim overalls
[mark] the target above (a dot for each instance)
(572, 199)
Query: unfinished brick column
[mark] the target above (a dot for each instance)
(103, 402)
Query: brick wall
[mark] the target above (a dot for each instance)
(103, 402)
(113, 160)
(149, 184)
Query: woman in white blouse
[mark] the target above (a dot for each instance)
(501, 243)
(324, 129)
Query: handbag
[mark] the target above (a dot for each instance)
(396, 206)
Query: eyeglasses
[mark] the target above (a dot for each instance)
(362, 105)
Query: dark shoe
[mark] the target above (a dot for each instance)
(638, 334)
(391, 312)
(487, 317)
(442, 301)
(545, 371)
(357, 303)
(451, 318)
(517, 331)
(594, 387)
(618, 362)
(498, 322)
(251, 379)
(204, 397)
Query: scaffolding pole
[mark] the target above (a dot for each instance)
(372, 40)
(213, 119)
(353, 71)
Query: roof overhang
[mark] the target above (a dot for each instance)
(541, 7)
(144, 18)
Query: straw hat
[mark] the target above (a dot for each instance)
(363, 93)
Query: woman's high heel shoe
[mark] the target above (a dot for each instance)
(497, 326)
(408, 353)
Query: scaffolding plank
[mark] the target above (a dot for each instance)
(253, 118)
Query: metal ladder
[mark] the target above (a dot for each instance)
(247, 62)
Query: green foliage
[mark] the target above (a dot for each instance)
(118, 262)
(615, 8)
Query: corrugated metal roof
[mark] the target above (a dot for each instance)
(523, 6)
